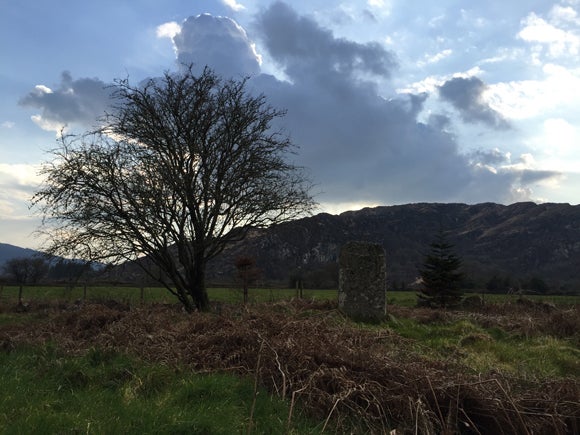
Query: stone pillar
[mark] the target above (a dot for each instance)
(362, 281)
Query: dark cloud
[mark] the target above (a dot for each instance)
(530, 176)
(495, 171)
(73, 101)
(465, 94)
(490, 157)
(439, 121)
(306, 50)
(218, 42)
(359, 146)
(369, 15)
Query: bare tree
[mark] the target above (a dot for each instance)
(25, 270)
(248, 273)
(182, 166)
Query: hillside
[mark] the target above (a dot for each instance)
(518, 241)
(8, 252)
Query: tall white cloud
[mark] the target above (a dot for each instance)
(218, 42)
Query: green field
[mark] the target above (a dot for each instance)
(134, 296)
(45, 391)
(100, 368)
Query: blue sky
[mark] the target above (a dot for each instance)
(390, 102)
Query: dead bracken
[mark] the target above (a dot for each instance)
(349, 377)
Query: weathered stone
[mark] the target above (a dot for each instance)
(362, 281)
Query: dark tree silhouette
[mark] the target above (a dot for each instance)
(182, 166)
(25, 270)
(248, 273)
(440, 275)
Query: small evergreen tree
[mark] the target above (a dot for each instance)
(440, 275)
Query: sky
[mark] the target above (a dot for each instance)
(389, 101)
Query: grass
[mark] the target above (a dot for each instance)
(85, 382)
(132, 295)
(45, 391)
(483, 350)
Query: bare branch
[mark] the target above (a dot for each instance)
(182, 166)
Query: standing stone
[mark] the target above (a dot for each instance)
(362, 281)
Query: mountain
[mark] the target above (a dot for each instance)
(7, 252)
(519, 241)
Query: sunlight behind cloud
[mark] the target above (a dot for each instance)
(530, 98)
(48, 125)
(340, 207)
(430, 84)
(168, 30)
(22, 175)
(560, 135)
(41, 89)
(17, 184)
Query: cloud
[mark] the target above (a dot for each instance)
(558, 42)
(7, 124)
(559, 88)
(560, 136)
(79, 101)
(435, 57)
(466, 95)
(357, 144)
(431, 84)
(490, 157)
(493, 169)
(306, 50)
(360, 147)
(529, 176)
(564, 15)
(168, 30)
(17, 184)
(218, 42)
(382, 7)
(233, 5)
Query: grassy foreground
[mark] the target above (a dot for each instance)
(46, 391)
(127, 367)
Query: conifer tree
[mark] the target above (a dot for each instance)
(440, 275)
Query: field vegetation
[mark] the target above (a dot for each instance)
(136, 295)
(105, 361)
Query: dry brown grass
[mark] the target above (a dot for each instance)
(343, 374)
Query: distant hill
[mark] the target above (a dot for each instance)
(519, 241)
(522, 241)
(8, 252)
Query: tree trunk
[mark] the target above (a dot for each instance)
(197, 288)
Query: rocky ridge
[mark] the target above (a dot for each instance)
(519, 241)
